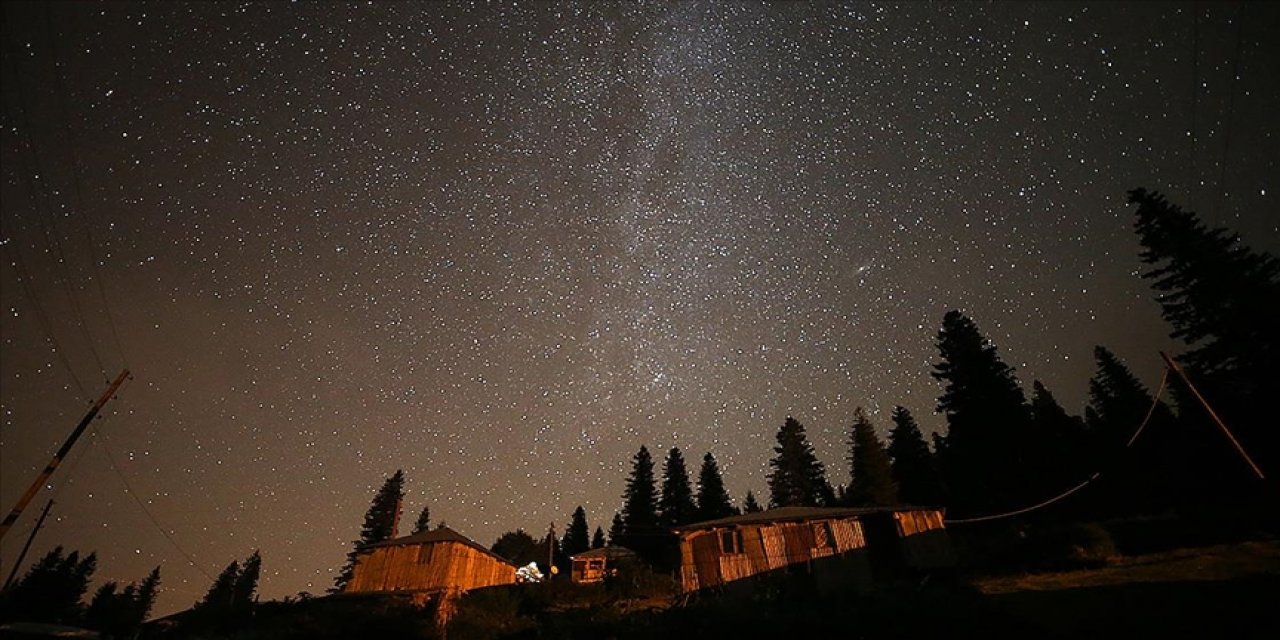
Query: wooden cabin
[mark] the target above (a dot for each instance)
(437, 560)
(594, 565)
(837, 546)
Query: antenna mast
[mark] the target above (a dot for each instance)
(62, 453)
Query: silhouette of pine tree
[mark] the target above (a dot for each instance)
(379, 524)
(246, 585)
(147, 594)
(1136, 479)
(914, 468)
(676, 506)
(597, 541)
(1062, 446)
(220, 599)
(424, 520)
(983, 453)
(51, 589)
(577, 537)
(617, 530)
(713, 499)
(871, 474)
(119, 613)
(640, 508)
(1222, 300)
(749, 504)
(796, 477)
(106, 609)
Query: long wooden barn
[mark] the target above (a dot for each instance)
(835, 545)
(437, 560)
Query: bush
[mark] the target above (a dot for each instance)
(492, 613)
(1073, 546)
(1091, 545)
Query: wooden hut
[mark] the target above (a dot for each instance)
(596, 564)
(437, 560)
(835, 545)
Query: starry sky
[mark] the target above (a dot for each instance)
(502, 246)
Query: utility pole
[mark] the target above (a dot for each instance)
(551, 549)
(62, 453)
(1212, 414)
(27, 547)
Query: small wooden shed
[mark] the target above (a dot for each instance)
(836, 545)
(437, 560)
(596, 564)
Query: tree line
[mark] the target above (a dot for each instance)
(1001, 450)
(53, 589)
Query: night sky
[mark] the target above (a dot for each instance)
(502, 247)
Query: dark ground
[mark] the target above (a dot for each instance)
(1228, 590)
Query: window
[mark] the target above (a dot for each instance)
(731, 542)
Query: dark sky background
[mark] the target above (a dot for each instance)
(502, 247)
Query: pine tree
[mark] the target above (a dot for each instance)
(1222, 300)
(914, 468)
(379, 524)
(676, 506)
(597, 541)
(147, 594)
(796, 478)
(713, 499)
(988, 421)
(1221, 297)
(119, 613)
(640, 501)
(52, 588)
(871, 474)
(220, 599)
(105, 609)
(617, 530)
(1137, 478)
(577, 537)
(1063, 451)
(1119, 401)
(424, 520)
(749, 504)
(246, 585)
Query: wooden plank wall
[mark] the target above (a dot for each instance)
(848, 534)
(766, 547)
(439, 565)
(925, 544)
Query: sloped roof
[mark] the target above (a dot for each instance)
(791, 514)
(608, 553)
(441, 534)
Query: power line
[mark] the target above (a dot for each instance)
(1231, 109)
(1155, 401)
(42, 318)
(141, 505)
(33, 176)
(1195, 99)
(76, 180)
(24, 275)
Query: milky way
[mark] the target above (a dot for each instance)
(503, 247)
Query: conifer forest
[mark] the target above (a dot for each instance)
(639, 319)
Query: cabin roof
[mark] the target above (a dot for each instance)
(791, 514)
(608, 553)
(434, 536)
